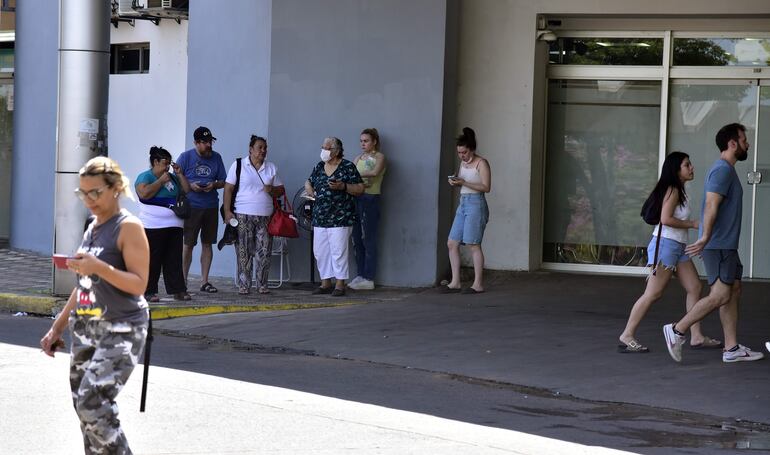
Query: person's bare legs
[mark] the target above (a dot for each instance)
(728, 314)
(186, 260)
(655, 286)
(478, 267)
(454, 261)
(719, 295)
(207, 254)
(688, 278)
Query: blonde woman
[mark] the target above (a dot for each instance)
(371, 165)
(107, 313)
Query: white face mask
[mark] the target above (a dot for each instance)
(326, 155)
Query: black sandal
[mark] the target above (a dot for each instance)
(208, 287)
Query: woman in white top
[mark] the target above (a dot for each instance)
(675, 214)
(259, 183)
(475, 180)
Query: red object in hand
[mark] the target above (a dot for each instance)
(60, 260)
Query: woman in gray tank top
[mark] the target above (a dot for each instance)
(107, 313)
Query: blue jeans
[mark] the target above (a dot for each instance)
(365, 234)
(470, 220)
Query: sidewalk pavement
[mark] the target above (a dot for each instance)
(26, 283)
(548, 333)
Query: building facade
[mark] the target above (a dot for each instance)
(575, 104)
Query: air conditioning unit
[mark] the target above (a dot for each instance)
(165, 3)
(126, 7)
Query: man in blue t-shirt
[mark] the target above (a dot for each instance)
(720, 230)
(206, 173)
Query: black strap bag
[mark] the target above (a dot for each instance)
(230, 235)
(651, 214)
(182, 207)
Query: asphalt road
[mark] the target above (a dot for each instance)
(330, 405)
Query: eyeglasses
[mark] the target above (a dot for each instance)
(93, 195)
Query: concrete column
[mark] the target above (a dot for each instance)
(84, 59)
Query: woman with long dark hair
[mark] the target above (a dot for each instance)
(674, 217)
(474, 178)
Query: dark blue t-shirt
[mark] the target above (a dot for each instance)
(202, 170)
(722, 179)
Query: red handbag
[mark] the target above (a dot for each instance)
(281, 223)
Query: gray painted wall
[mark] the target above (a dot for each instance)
(228, 76)
(34, 143)
(339, 66)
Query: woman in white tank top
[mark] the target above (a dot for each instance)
(475, 180)
(674, 217)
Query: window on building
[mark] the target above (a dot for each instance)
(602, 159)
(130, 58)
(606, 51)
(722, 51)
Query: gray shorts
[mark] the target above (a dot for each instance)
(722, 264)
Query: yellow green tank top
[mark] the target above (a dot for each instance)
(367, 163)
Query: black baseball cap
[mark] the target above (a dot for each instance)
(203, 134)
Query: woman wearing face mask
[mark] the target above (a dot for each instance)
(259, 182)
(157, 190)
(371, 165)
(474, 179)
(334, 183)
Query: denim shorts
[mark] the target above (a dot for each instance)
(723, 264)
(470, 219)
(671, 253)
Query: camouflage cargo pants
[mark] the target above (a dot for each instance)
(103, 356)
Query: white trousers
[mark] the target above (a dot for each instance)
(330, 247)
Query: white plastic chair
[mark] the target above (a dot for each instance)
(280, 249)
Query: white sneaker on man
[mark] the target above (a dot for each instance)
(767, 346)
(674, 342)
(362, 285)
(742, 354)
(355, 280)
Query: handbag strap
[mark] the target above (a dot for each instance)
(287, 206)
(657, 248)
(237, 183)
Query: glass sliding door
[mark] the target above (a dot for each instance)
(601, 162)
(697, 110)
(761, 246)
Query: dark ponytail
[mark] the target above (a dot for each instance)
(467, 139)
(157, 154)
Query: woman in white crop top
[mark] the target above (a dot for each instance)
(475, 180)
(674, 217)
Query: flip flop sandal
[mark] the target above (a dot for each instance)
(708, 343)
(182, 296)
(153, 298)
(208, 287)
(264, 290)
(448, 290)
(470, 291)
(632, 347)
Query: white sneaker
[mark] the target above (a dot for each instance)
(767, 346)
(355, 280)
(742, 354)
(362, 285)
(674, 342)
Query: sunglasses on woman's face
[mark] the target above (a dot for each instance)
(93, 195)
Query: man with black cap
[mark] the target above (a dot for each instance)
(206, 173)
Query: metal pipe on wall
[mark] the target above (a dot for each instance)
(81, 126)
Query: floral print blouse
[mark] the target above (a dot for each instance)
(334, 208)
